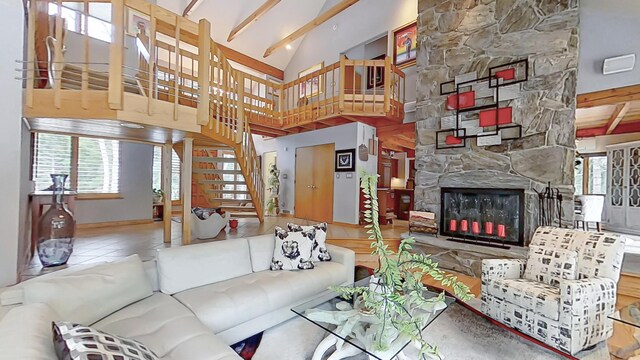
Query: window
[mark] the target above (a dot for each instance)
(591, 175)
(98, 20)
(93, 164)
(175, 172)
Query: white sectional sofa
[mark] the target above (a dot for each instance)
(190, 303)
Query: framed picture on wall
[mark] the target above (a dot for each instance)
(375, 75)
(405, 45)
(345, 160)
(313, 86)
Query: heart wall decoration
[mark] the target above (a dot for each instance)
(345, 160)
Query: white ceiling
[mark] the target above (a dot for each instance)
(283, 19)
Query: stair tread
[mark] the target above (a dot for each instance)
(214, 159)
(222, 182)
(227, 191)
(216, 171)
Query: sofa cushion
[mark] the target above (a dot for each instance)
(261, 248)
(191, 266)
(292, 250)
(78, 342)
(89, 295)
(25, 333)
(168, 328)
(319, 251)
(542, 298)
(223, 305)
(550, 266)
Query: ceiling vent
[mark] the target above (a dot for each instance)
(618, 64)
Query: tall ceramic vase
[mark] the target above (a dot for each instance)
(56, 229)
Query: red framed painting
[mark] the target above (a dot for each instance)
(405, 45)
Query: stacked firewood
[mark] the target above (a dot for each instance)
(423, 222)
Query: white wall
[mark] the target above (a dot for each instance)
(135, 187)
(346, 192)
(361, 22)
(607, 29)
(12, 19)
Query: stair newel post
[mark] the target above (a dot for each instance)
(58, 59)
(116, 55)
(166, 189)
(185, 177)
(204, 65)
(343, 60)
(387, 84)
(240, 108)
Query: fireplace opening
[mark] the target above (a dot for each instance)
(492, 217)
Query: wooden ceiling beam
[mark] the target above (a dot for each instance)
(193, 4)
(624, 128)
(397, 129)
(399, 142)
(248, 61)
(391, 146)
(255, 16)
(335, 10)
(618, 114)
(609, 97)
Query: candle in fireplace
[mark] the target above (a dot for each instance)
(453, 225)
(502, 231)
(475, 227)
(464, 226)
(488, 228)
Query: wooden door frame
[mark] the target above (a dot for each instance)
(295, 170)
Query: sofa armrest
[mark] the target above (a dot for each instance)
(585, 307)
(344, 256)
(493, 269)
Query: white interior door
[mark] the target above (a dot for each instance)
(632, 186)
(616, 214)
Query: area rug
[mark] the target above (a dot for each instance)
(459, 333)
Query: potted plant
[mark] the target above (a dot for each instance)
(273, 183)
(158, 196)
(396, 293)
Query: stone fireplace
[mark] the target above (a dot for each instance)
(456, 37)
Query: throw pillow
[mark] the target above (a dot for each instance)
(320, 252)
(550, 266)
(77, 342)
(293, 249)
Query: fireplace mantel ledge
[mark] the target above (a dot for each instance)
(515, 252)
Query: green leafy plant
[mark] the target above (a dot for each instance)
(158, 195)
(398, 299)
(273, 183)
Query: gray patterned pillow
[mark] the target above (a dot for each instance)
(319, 251)
(550, 266)
(77, 342)
(293, 250)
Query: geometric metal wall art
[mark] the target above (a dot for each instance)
(481, 106)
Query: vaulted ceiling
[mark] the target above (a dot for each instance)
(274, 25)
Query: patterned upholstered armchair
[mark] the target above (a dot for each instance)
(562, 293)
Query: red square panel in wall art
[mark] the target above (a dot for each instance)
(452, 140)
(506, 74)
(488, 117)
(461, 101)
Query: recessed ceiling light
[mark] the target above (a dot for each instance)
(288, 46)
(132, 126)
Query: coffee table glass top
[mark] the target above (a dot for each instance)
(629, 315)
(329, 299)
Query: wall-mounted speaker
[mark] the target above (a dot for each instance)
(618, 64)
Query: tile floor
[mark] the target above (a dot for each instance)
(113, 243)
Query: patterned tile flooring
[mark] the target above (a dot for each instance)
(113, 243)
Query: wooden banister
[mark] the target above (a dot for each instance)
(204, 66)
(116, 55)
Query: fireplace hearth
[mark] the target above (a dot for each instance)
(492, 217)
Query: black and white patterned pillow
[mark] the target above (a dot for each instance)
(293, 249)
(77, 342)
(319, 251)
(551, 266)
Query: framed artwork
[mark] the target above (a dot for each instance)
(313, 86)
(405, 45)
(375, 75)
(137, 23)
(345, 160)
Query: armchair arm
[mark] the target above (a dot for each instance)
(344, 256)
(586, 305)
(493, 269)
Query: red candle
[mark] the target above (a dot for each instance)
(464, 226)
(453, 225)
(475, 227)
(502, 231)
(488, 228)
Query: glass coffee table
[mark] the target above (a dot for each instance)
(350, 329)
(629, 315)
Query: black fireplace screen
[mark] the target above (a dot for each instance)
(489, 215)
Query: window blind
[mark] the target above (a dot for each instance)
(98, 166)
(175, 172)
(52, 156)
